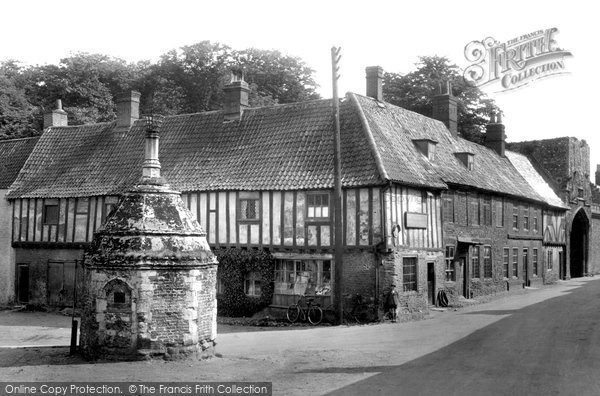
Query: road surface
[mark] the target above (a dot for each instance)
(540, 342)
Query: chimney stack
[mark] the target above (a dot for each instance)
(151, 167)
(236, 96)
(128, 109)
(445, 109)
(56, 117)
(598, 175)
(495, 137)
(375, 82)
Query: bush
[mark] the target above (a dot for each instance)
(234, 264)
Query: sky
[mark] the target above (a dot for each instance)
(391, 34)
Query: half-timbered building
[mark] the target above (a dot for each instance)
(422, 208)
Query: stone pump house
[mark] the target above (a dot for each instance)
(422, 208)
(150, 276)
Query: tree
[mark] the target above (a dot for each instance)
(86, 83)
(284, 78)
(415, 90)
(17, 114)
(185, 80)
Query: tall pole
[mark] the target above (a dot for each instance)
(337, 193)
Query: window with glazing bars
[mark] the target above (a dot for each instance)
(515, 262)
(317, 206)
(409, 273)
(505, 261)
(450, 263)
(475, 262)
(487, 261)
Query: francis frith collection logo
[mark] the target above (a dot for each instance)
(515, 63)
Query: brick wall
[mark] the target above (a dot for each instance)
(360, 273)
(37, 260)
(171, 313)
(7, 272)
(498, 235)
(413, 304)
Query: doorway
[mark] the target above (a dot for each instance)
(578, 245)
(23, 283)
(431, 282)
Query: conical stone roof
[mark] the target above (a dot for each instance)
(151, 227)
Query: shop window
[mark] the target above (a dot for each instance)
(252, 284)
(409, 274)
(317, 206)
(450, 276)
(487, 261)
(299, 277)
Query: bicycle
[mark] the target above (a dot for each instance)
(360, 312)
(311, 312)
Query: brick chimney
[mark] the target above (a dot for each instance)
(598, 175)
(56, 117)
(375, 82)
(495, 137)
(445, 109)
(128, 109)
(236, 96)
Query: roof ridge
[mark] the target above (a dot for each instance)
(367, 130)
(19, 139)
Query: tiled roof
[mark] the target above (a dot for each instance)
(535, 180)
(271, 148)
(13, 154)
(281, 147)
(394, 128)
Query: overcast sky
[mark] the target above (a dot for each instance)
(392, 34)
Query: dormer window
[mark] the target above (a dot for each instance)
(467, 159)
(426, 147)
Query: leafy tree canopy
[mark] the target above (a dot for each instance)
(185, 80)
(415, 90)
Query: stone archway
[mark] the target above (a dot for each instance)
(578, 242)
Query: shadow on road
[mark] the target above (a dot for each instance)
(550, 348)
(492, 312)
(38, 356)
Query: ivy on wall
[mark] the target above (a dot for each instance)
(234, 265)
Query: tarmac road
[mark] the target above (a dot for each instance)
(550, 348)
(540, 342)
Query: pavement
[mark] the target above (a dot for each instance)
(504, 346)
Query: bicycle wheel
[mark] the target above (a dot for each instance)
(293, 313)
(315, 315)
(361, 313)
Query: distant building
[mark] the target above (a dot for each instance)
(13, 154)
(564, 165)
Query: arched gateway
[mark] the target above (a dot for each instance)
(578, 243)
